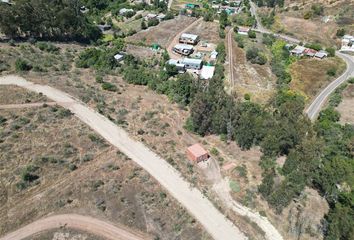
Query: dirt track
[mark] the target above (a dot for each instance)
(74, 221)
(176, 39)
(192, 199)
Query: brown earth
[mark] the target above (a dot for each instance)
(309, 75)
(163, 33)
(346, 107)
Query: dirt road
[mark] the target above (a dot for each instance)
(175, 40)
(229, 46)
(191, 198)
(79, 222)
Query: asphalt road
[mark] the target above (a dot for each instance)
(213, 221)
(79, 222)
(315, 107)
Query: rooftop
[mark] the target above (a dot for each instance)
(192, 61)
(207, 72)
(190, 36)
(197, 150)
(184, 46)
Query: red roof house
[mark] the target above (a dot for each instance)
(197, 153)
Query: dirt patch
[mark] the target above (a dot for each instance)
(309, 75)
(52, 163)
(163, 33)
(207, 31)
(346, 107)
(141, 52)
(64, 234)
(17, 95)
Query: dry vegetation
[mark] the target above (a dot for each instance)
(207, 31)
(309, 75)
(16, 95)
(163, 33)
(346, 107)
(64, 234)
(51, 163)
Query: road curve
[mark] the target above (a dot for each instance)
(214, 222)
(79, 222)
(315, 107)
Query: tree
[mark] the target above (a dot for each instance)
(254, 55)
(340, 32)
(143, 25)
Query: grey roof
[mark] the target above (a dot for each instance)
(192, 61)
(189, 36)
(183, 47)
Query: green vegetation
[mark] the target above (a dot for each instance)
(22, 65)
(29, 18)
(256, 56)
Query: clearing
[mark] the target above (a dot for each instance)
(346, 107)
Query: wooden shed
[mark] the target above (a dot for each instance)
(197, 153)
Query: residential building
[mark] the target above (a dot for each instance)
(150, 16)
(191, 63)
(213, 55)
(179, 66)
(119, 57)
(104, 27)
(183, 49)
(124, 11)
(310, 52)
(243, 30)
(207, 72)
(189, 38)
(321, 54)
(298, 51)
(197, 153)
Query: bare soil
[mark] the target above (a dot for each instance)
(346, 107)
(309, 75)
(163, 33)
(207, 31)
(17, 95)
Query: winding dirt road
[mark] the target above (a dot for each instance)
(214, 222)
(79, 222)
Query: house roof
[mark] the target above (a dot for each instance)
(192, 61)
(118, 57)
(321, 54)
(207, 72)
(184, 46)
(197, 150)
(190, 36)
(298, 49)
(243, 29)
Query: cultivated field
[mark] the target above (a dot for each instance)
(163, 33)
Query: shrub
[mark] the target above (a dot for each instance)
(153, 22)
(252, 34)
(48, 47)
(99, 79)
(332, 72)
(22, 65)
(331, 51)
(340, 32)
(308, 15)
(109, 87)
(256, 56)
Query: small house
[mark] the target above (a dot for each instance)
(124, 11)
(191, 63)
(348, 40)
(310, 52)
(197, 153)
(207, 72)
(183, 49)
(189, 38)
(104, 27)
(191, 6)
(298, 51)
(119, 57)
(179, 66)
(243, 30)
(150, 16)
(213, 55)
(321, 54)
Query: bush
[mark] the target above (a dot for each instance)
(252, 34)
(308, 15)
(222, 33)
(331, 51)
(256, 56)
(22, 65)
(99, 79)
(153, 22)
(109, 87)
(340, 32)
(332, 72)
(317, 9)
(48, 47)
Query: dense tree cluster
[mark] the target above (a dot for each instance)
(58, 20)
(270, 3)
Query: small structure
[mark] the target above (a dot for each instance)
(310, 52)
(124, 11)
(347, 40)
(161, 17)
(189, 38)
(150, 16)
(207, 72)
(298, 51)
(83, 9)
(183, 49)
(197, 153)
(321, 54)
(119, 57)
(191, 63)
(179, 66)
(243, 30)
(104, 27)
(213, 55)
(191, 6)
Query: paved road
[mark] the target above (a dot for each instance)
(79, 222)
(315, 107)
(214, 222)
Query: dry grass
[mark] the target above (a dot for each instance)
(163, 33)
(346, 107)
(309, 75)
(17, 95)
(207, 31)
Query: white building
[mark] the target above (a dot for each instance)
(298, 50)
(207, 72)
(119, 57)
(123, 11)
(243, 30)
(189, 38)
(191, 63)
(183, 49)
(179, 66)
